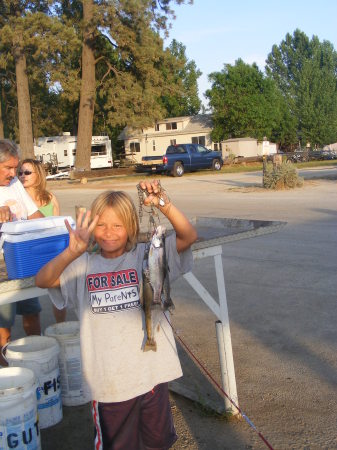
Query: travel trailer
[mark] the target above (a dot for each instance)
(60, 151)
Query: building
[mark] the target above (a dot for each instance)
(153, 141)
(247, 147)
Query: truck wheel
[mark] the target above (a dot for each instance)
(216, 165)
(178, 169)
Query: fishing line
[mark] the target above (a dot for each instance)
(250, 423)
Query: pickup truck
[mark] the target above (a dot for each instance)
(181, 158)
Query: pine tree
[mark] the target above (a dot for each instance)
(306, 73)
(131, 70)
(32, 43)
(186, 101)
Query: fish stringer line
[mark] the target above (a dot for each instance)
(153, 218)
(217, 385)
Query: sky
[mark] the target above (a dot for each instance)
(218, 32)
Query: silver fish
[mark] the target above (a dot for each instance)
(157, 263)
(155, 290)
(147, 300)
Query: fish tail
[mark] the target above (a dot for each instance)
(150, 344)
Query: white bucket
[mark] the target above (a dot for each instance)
(40, 354)
(74, 391)
(19, 426)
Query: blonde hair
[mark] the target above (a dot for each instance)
(43, 196)
(125, 210)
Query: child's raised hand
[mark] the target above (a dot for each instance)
(79, 238)
(153, 191)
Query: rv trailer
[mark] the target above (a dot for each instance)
(60, 151)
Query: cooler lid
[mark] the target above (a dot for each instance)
(27, 226)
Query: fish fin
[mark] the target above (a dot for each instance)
(168, 305)
(150, 344)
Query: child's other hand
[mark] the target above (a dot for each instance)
(79, 238)
(152, 188)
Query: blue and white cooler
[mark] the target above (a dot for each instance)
(29, 244)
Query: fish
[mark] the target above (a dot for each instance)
(166, 299)
(159, 270)
(155, 285)
(157, 263)
(147, 301)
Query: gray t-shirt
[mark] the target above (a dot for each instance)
(105, 294)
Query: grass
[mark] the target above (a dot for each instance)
(233, 168)
(327, 162)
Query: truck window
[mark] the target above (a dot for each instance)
(172, 149)
(201, 149)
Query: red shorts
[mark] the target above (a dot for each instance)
(142, 423)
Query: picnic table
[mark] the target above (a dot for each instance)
(213, 233)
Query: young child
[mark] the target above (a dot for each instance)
(128, 387)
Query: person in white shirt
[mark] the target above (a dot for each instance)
(15, 204)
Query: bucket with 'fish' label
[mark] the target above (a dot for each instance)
(19, 426)
(40, 354)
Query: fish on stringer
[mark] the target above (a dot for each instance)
(156, 285)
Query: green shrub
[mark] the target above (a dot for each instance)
(283, 176)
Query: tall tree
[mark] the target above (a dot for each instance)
(306, 72)
(12, 42)
(132, 81)
(88, 87)
(2, 129)
(186, 101)
(244, 102)
(33, 42)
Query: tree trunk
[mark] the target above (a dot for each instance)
(2, 133)
(22, 87)
(88, 91)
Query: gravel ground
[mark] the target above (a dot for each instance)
(281, 293)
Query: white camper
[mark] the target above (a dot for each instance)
(61, 151)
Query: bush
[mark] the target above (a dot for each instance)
(283, 176)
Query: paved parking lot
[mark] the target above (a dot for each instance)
(281, 292)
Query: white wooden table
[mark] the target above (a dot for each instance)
(212, 234)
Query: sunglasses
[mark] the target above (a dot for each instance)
(25, 172)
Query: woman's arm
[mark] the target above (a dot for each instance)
(185, 232)
(56, 205)
(36, 215)
(49, 275)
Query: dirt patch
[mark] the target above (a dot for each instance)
(259, 189)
